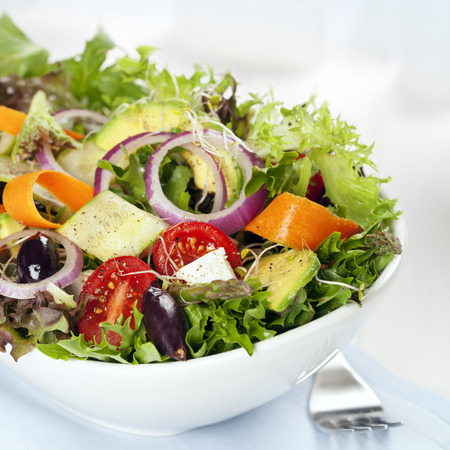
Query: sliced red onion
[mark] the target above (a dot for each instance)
(64, 114)
(229, 220)
(103, 177)
(72, 267)
(46, 159)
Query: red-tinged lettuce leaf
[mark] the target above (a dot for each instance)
(23, 323)
(19, 345)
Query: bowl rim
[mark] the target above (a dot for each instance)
(315, 326)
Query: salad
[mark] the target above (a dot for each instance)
(147, 216)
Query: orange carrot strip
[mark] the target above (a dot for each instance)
(11, 122)
(18, 195)
(299, 223)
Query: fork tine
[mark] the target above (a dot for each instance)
(354, 425)
(373, 423)
(331, 425)
(355, 428)
(341, 400)
(379, 421)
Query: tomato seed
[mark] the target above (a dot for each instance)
(200, 249)
(98, 310)
(111, 285)
(102, 298)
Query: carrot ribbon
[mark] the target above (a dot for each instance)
(299, 223)
(18, 195)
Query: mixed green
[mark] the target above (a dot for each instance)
(141, 128)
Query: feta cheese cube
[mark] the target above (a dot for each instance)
(209, 267)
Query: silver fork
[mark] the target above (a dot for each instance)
(341, 400)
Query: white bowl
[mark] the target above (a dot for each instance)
(170, 398)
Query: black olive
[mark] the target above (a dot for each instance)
(37, 259)
(163, 320)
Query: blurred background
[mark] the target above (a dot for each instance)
(383, 66)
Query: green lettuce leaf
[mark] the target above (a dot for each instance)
(175, 189)
(134, 347)
(85, 71)
(18, 55)
(219, 325)
(359, 196)
(131, 179)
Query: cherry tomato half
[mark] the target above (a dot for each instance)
(185, 242)
(111, 293)
(316, 188)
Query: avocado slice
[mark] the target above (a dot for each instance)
(8, 225)
(138, 118)
(134, 119)
(231, 170)
(6, 142)
(285, 273)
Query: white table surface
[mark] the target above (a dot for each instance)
(381, 65)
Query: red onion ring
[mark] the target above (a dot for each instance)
(67, 275)
(104, 177)
(64, 114)
(229, 220)
(46, 159)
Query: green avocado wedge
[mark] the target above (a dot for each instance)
(285, 274)
(8, 225)
(141, 117)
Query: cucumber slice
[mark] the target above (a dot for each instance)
(81, 163)
(108, 226)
